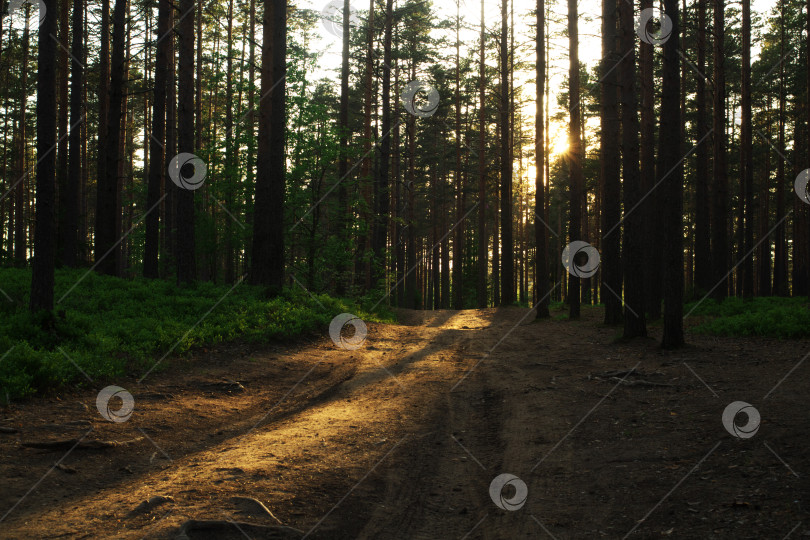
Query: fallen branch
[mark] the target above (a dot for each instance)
(640, 382)
(251, 505)
(79, 444)
(618, 373)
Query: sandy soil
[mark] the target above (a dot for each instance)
(402, 438)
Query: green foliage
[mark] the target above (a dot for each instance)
(112, 327)
(772, 317)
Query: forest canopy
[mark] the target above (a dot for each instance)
(429, 155)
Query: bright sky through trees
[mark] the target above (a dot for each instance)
(589, 49)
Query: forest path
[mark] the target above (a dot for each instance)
(402, 438)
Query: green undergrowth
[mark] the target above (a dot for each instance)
(786, 318)
(111, 327)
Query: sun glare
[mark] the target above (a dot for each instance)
(558, 143)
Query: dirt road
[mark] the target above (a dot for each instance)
(403, 437)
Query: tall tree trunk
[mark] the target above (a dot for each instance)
(496, 242)
(231, 165)
(411, 280)
(382, 194)
(780, 268)
(541, 283)
(507, 242)
(124, 165)
(343, 158)
(513, 133)
(703, 258)
(84, 242)
(366, 169)
(70, 194)
(63, 106)
(107, 205)
(42, 279)
(458, 241)
(651, 234)
(746, 153)
(410, 257)
(444, 301)
(147, 111)
(554, 268)
(576, 180)
(800, 212)
(4, 164)
(250, 127)
(434, 294)
(720, 191)
(268, 233)
(397, 241)
(170, 213)
(186, 260)
(804, 277)
(635, 323)
(198, 91)
(20, 243)
(157, 158)
(483, 255)
(764, 252)
(610, 165)
(102, 218)
(682, 124)
(670, 154)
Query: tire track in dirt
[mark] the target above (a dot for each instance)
(297, 460)
(373, 443)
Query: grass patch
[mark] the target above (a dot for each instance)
(785, 318)
(112, 327)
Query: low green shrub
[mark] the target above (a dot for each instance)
(110, 327)
(772, 317)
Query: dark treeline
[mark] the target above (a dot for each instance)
(197, 141)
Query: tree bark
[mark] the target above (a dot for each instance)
(63, 106)
(362, 268)
(458, 241)
(157, 155)
(70, 195)
(670, 154)
(651, 234)
(231, 165)
(703, 258)
(42, 279)
(635, 323)
(720, 191)
(343, 159)
(107, 204)
(170, 212)
(397, 240)
(268, 233)
(764, 252)
(483, 255)
(382, 194)
(780, 267)
(507, 240)
(20, 243)
(574, 152)
(746, 154)
(610, 168)
(103, 209)
(186, 261)
(541, 282)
